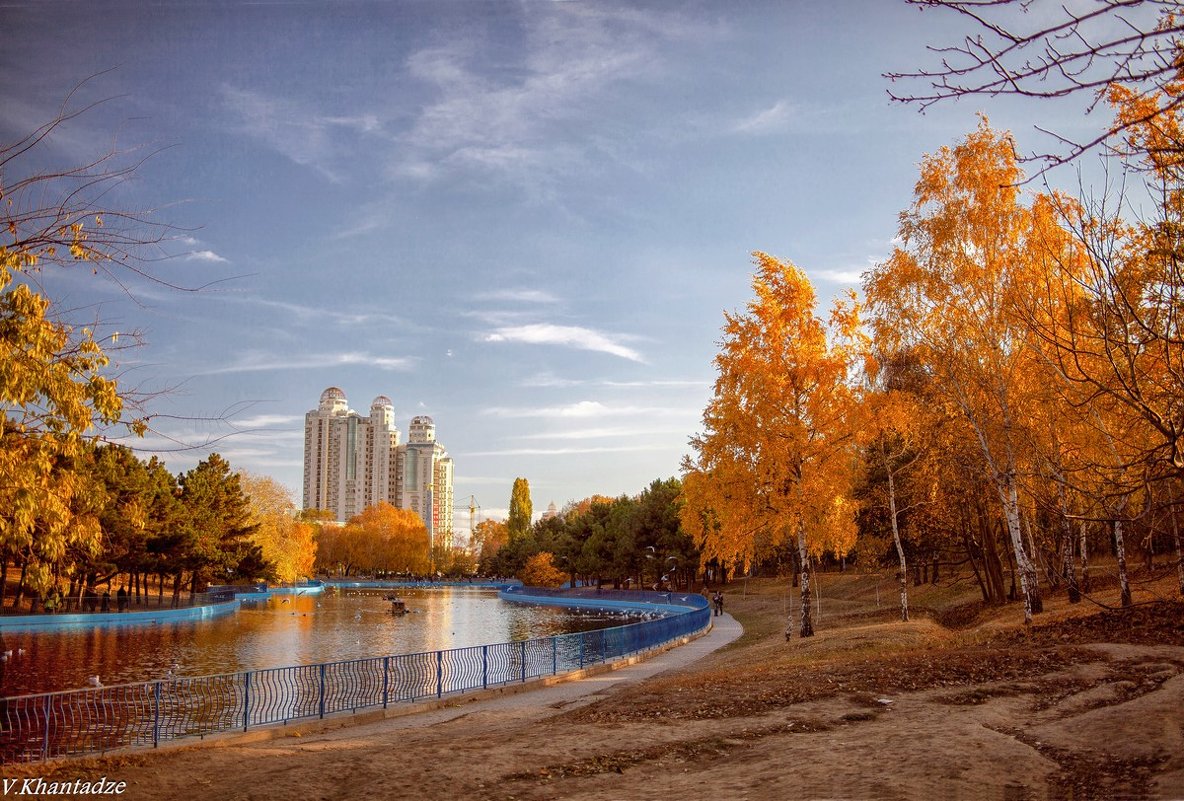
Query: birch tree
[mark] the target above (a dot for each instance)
(947, 292)
(776, 455)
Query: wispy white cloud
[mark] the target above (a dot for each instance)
(582, 409)
(204, 255)
(564, 335)
(296, 131)
(257, 361)
(774, 119)
(321, 314)
(266, 420)
(551, 381)
(847, 276)
(518, 296)
(505, 122)
(566, 451)
(606, 432)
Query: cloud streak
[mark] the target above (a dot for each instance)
(584, 410)
(566, 336)
(295, 131)
(504, 123)
(566, 451)
(771, 120)
(263, 362)
(204, 255)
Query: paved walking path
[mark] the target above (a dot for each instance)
(511, 702)
(559, 695)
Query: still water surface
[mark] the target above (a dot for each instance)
(285, 630)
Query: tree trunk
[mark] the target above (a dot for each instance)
(1067, 566)
(1084, 549)
(1179, 552)
(807, 629)
(992, 564)
(904, 568)
(1024, 567)
(1120, 551)
(20, 586)
(970, 548)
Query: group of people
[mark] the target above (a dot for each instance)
(91, 600)
(717, 602)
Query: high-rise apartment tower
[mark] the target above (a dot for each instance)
(352, 462)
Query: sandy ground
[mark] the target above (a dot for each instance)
(1062, 714)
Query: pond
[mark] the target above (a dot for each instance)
(338, 625)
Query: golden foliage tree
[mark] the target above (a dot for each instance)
(488, 538)
(540, 571)
(949, 294)
(392, 540)
(776, 457)
(55, 390)
(287, 543)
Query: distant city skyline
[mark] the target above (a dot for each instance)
(522, 219)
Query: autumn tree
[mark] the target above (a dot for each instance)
(776, 456)
(391, 540)
(521, 512)
(287, 543)
(55, 388)
(540, 571)
(488, 538)
(949, 293)
(893, 436)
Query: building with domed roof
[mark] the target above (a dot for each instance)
(352, 462)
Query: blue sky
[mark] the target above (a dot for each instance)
(524, 219)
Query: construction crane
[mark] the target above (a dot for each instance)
(473, 508)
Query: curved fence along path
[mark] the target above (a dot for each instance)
(88, 722)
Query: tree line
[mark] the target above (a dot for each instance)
(135, 524)
(631, 541)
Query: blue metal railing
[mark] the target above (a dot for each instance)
(87, 722)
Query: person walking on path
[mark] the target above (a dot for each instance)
(106, 607)
(121, 599)
(718, 601)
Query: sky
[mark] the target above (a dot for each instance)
(524, 219)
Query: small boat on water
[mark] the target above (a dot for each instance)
(398, 605)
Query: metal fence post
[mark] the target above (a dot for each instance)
(554, 656)
(156, 715)
(439, 674)
(246, 699)
(484, 667)
(45, 737)
(522, 650)
(321, 703)
(386, 680)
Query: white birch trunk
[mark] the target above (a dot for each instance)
(1120, 548)
(807, 629)
(904, 582)
(1005, 485)
(1084, 549)
(1027, 574)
